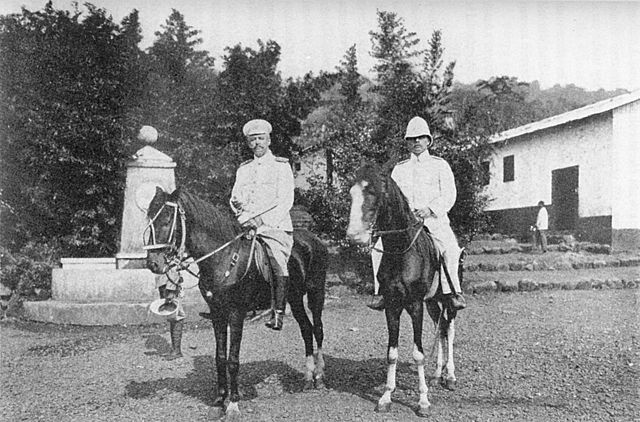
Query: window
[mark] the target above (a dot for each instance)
(508, 170)
(297, 166)
(485, 175)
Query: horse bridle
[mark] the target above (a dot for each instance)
(176, 252)
(374, 234)
(176, 256)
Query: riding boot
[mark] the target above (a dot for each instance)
(279, 302)
(175, 331)
(458, 301)
(452, 271)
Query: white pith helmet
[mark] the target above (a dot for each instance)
(418, 127)
(163, 308)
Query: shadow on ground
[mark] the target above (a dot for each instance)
(363, 378)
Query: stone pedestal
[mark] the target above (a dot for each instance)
(114, 291)
(92, 291)
(149, 169)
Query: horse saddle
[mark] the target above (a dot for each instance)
(261, 257)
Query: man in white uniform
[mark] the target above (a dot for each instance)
(430, 188)
(261, 198)
(541, 227)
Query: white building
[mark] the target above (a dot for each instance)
(584, 165)
(312, 162)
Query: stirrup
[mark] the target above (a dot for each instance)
(206, 315)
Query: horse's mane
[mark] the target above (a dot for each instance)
(387, 191)
(219, 222)
(398, 204)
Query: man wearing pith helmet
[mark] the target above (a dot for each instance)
(261, 198)
(428, 183)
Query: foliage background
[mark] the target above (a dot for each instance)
(75, 87)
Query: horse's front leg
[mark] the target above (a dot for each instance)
(306, 329)
(450, 381)
(392, 313)
(435, 312)
(416, 311)
(220, 331)
(236, 323)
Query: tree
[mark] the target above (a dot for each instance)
(395, 49)
(174, 48)
(69, 82)
(342, 126)
(350, 79)
(251, 87)
(181, 103)
(465, 152)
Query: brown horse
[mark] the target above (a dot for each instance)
(232, 284)
(409, 265)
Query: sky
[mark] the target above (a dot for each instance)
(592, 44)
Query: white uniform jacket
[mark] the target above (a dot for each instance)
(263, 183)
(428, 182)
(542, 222)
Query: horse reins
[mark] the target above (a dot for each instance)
(377, 233)
(179, 260)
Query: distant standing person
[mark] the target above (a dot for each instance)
(541, 227)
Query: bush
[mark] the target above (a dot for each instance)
(28, 272)
(329, 207)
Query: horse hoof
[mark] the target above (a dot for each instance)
(215, 413)
(435, 381)
(320, 384)
(308, 385)
(449, 384)
(218, 403)
(423, 412)
(383, 408)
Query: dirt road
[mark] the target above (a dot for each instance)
(537, 356)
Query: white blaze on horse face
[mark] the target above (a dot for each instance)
(357, 230)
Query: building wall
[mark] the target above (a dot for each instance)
(313, 163)
(626, 179)
(586, 143)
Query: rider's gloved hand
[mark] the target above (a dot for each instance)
(253, 223)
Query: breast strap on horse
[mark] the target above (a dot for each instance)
(442, 266)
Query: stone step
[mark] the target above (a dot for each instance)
(514, 281)
(527, 262)
(103, 313)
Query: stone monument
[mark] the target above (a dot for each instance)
(118, 291)
(148, 169)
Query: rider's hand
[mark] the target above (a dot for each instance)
(237, 204)
(424, 213)
(253, 223)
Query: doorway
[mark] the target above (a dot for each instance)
(564, 198)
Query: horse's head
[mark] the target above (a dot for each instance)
(367, 194)
(161, 235)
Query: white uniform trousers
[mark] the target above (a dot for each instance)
(280, 244)
(447, 245)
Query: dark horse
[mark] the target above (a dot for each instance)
(409, 264)
(231, 284)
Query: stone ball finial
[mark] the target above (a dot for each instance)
(148, 134)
